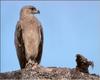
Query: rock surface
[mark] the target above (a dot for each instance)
(50, 73)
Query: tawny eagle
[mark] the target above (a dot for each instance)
(28, 37)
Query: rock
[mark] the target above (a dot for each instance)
(44, 73)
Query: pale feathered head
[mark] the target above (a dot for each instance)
(28, 10)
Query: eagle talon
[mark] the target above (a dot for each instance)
(34, 65)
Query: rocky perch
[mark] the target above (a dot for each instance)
(50, 73)
(37, 72)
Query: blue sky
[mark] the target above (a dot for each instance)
(70, 27)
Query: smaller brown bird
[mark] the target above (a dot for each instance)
(83, 64)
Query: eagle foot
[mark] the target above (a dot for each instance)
(34, 65)
(29, 64)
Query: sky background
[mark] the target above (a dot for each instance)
(70, 27)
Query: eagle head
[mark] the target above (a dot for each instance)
(28, 10)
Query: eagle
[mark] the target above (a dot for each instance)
(28, 37)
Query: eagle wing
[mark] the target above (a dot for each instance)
(40, 49)
(19, 44)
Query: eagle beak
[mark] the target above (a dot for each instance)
(38, 12)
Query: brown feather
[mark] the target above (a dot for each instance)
(20, 46)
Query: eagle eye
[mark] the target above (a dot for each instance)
(33, 8)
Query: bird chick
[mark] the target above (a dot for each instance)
(83, 63)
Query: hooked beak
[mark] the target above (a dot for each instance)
(36, 12)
